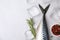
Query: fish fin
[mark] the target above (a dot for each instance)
(46, 9)
(41, 8)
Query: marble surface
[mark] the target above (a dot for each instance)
(52, 17)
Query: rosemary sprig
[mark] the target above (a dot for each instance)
(31, 26)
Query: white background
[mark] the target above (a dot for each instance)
(13, 16)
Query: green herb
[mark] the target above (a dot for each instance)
(31, 26)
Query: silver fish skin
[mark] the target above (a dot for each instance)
(45, 28)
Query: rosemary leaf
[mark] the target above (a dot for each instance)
(32, 29)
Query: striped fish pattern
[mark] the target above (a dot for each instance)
(45, 28)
